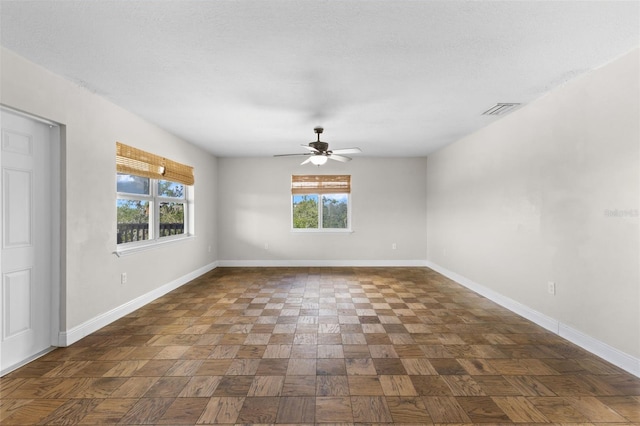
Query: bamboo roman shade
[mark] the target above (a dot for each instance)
(137, 162)
(320, 184)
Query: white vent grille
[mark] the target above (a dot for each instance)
(499, 109)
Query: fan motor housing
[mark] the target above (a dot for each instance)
(320, 146)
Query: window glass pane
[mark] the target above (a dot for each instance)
(132, 184)
(170, 189)
(133, 220)
(305, 211)
(334, 211)
(171, 219)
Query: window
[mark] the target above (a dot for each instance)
(152, 197)
(320, 202)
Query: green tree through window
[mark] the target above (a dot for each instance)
(305, 211)
(334, 211)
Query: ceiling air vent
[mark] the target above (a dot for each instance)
(499, 109)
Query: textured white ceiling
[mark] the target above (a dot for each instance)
(253, 78)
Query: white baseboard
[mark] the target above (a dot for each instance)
(66, 338)
(604, 351)
(321, 263)
(26, 361)
(595, 346)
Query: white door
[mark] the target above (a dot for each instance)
(25, 181)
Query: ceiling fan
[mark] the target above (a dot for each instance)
(320, 152)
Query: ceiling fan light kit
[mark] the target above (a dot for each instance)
(320, 152)
(319, 160)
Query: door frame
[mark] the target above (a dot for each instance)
(57, 134)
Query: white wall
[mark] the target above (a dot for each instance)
(388, 203)
(93, 125)
(524, 201)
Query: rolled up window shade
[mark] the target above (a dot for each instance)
(137, 162)
(321, 184)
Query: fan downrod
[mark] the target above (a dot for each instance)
(319, 145)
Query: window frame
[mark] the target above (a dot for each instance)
(320, 228)
(154, 200)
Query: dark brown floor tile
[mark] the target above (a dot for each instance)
(463, 386)
(251, 351)
(296, 410)
(332, 385)
(109, 411)
(430, 386)
(184, 411)
(397, 385)
(72, 411)
(496, 386)
(365, 385)
(594, 409)
(360, 367)
(408, 410)
(221, 410)
(520, 409)
(272, 367)
(529, 386)
(35, 369)
(408, 351)
(186, 367)
(627, 406)
(389, 366)
(200, 387)
(356, 351)
(147, 411)
(446, 366)
(444, 409)
(557, 410)
(332, 367)
(233, 386)
(153, 368)
(624, 383)
(258, 410)
(299, 386)
(213, 367)
(167, 387)
(31, 412)
(483, 410)
(266, 386)
(243, 367)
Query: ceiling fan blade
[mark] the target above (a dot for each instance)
(292, 155)
(310, 148)
(306, 161)
(347, 151)
(341, 158)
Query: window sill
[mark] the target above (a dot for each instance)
(126, 251)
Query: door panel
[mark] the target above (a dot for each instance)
(16, 291)
(17, 186)
(26, 239)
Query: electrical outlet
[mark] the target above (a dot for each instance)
(266, 246)
(209, 249)
(394, 246)
(551, 287)
(123, 278)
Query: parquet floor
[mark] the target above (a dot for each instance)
(310, 345)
